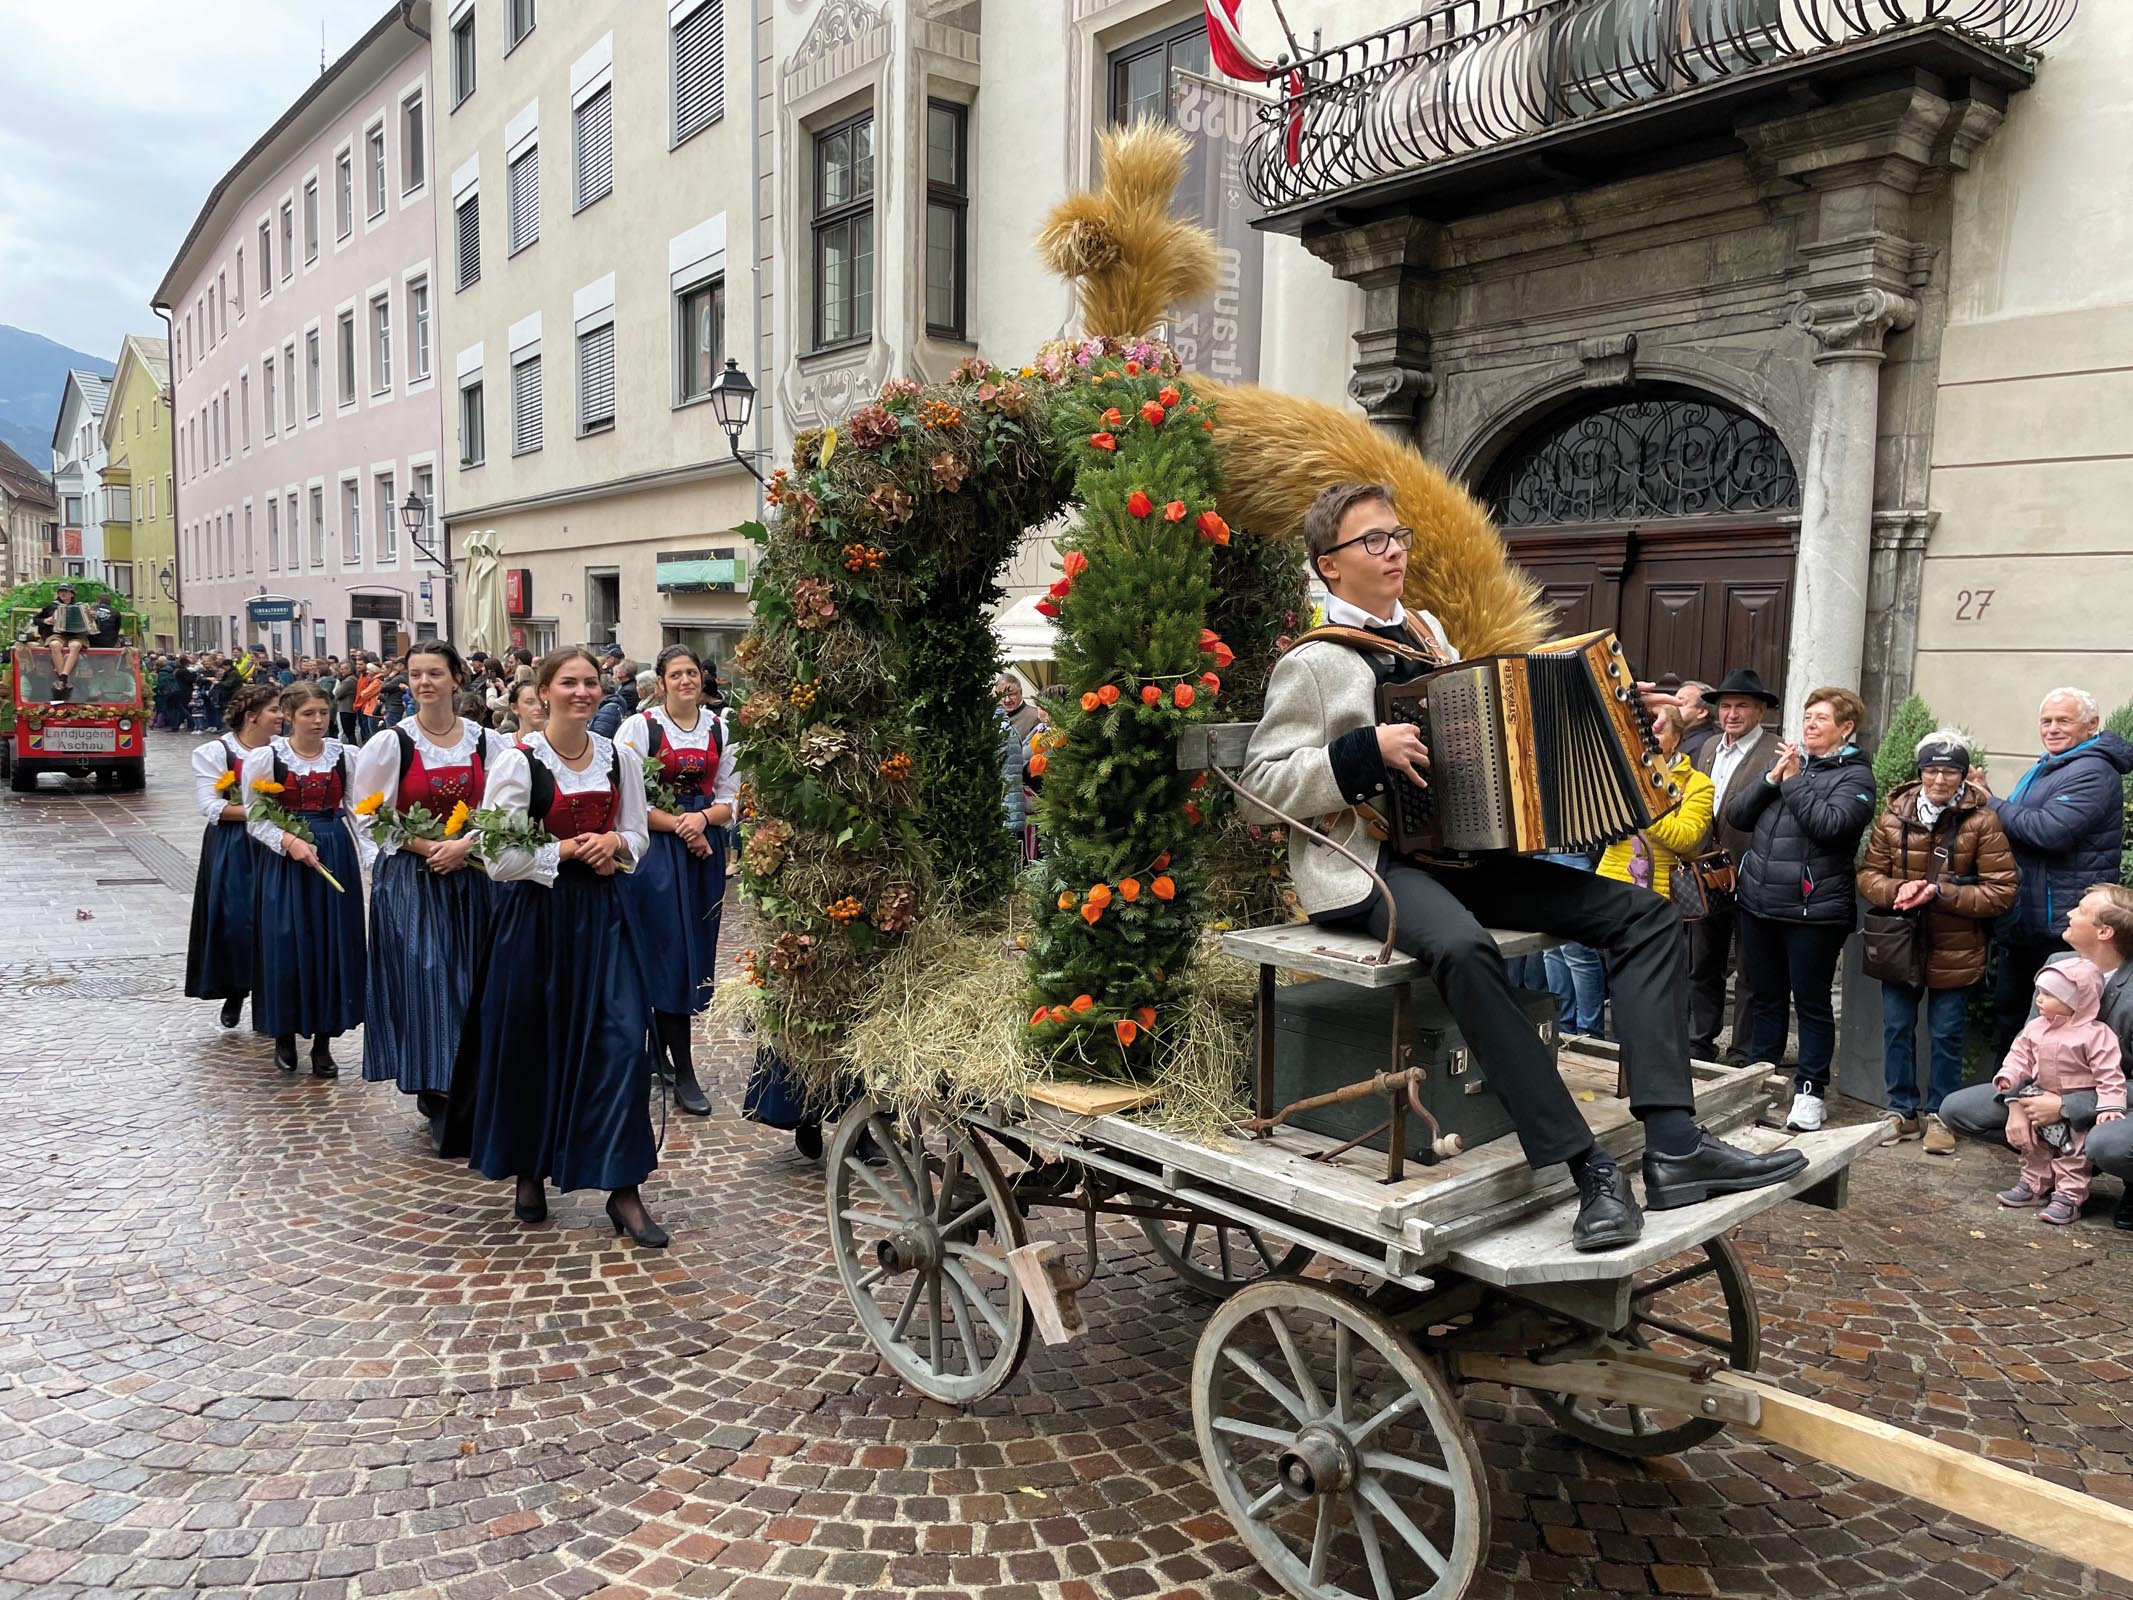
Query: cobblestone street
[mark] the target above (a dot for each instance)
(255, 1340)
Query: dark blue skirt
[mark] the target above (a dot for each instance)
(555, 1067)
(308, 955)
(673, 901)
(218, 953)
(429, 935)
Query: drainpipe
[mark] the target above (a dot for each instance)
(170, 395)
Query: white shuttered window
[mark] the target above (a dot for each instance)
(522, 186)
(595, 138)
(596, 379)
(469, 225)
(699, 69)
(526, 406)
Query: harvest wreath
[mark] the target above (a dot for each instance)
(870, 754)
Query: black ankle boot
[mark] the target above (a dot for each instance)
(285, 1051)
(681, 1068)
(322, 1063)
(530, 1204)
(233, 1011)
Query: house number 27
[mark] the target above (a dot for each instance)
(1970, 604)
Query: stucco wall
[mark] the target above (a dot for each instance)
(2026, 581)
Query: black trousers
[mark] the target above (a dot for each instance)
(1714, 950)
(1444, 916)
(1796, 961)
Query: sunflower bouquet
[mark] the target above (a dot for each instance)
(391, 827)
(266, 807)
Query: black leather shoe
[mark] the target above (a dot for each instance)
(2123, 1216)
(807, 1139)
(1608, 1217)
(233, 1011)
(651, 1235)
(533, 1210)
(285, 1051)
(322, 1063)
(1713, 1167)
(689, 1094)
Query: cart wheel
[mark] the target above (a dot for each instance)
(922, 1233)
(1217, 1258)
(1336, 1447)
(1673, 1310)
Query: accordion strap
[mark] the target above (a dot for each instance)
(1376, 643)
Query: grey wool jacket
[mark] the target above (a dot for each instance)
(1314, 756)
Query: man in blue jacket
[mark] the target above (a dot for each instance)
(2066, 821)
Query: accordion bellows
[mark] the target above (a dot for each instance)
(1529, 754)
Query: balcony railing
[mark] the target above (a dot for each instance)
(1469, 75)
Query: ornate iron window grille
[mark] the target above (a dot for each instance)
(1469, 74)
(1651, 456)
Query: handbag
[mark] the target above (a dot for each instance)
(1702, 884)
(1895, 943)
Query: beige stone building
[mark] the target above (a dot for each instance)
(593, 163)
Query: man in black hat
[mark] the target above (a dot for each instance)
(66, 625)
(1738, 753)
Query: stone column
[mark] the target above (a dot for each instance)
(1897, 573)
(1829, 592)
(1392, 381)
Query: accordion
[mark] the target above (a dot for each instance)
(1528, 754)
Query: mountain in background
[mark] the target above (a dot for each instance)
(33, 371)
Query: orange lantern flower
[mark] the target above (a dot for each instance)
(1162, 861)
(1130, 889)
(1066, 900)
(1133, 369)
(1111, 417)
(1037, 764)
(1182, 694)
(1090, 701)
(1046, 608)
(1108, 694)
(1210, 682)
(1168, 395)
(1174, 512)
(1061, 588)
(1139, 504)
(1074, 563)
(1089, 914)
(1100, 894)
(1127, 1030)
(1152, 414)
(1103, 441)
(1192, 813)
(1039, 1017)
(1150, 694)
(1060, 1013)
(1212, 528)
(1146, 1014)
(1083, 1002)
(1163, 888)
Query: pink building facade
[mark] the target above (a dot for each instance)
(302, 309)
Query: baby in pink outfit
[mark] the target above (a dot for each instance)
(2064, 1048)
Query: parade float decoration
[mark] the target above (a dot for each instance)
(896, 951)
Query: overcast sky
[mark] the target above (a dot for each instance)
(116, 118)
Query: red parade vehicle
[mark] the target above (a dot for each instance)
(98, 729)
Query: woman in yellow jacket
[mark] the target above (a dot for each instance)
(1648, 859)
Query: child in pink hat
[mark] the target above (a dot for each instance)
(2063, 1048)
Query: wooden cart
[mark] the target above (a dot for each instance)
(1350, 1310)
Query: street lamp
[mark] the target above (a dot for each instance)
(414, 517)
(733, 403)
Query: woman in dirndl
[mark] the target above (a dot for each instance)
(218, 952)
(674, 897)
(307, 953)
(431, 907)
(555, 1070)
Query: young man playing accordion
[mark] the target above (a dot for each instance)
(1319, 753)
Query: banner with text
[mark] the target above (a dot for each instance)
(1220, 335)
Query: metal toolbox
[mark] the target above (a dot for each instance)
(1328, 1034)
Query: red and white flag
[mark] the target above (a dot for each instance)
(1232, 56)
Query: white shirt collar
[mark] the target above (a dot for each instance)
(1340, 614)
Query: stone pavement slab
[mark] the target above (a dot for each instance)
(255, 1341)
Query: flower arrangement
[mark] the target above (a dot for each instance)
(658, 792)
(497, 831)
(267, 808)
(227, 782)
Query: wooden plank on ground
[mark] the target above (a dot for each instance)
(1093, 1099)
(1536, 1248)
(2082, 1528)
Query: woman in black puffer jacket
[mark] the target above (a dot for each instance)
(1796, 892)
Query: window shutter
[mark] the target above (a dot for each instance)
(524, 182)
(469, 239)
(699, 69)
(596, 147)
(596, 378)
(526, 406)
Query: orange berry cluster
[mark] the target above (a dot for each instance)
(751, 968)
(847, 909)
(940, 414)
(803, 695)
(864, 557)
(897, 768)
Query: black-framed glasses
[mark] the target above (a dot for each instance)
(1378, 540)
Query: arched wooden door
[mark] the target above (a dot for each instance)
(1666, 515)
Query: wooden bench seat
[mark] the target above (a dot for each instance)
(1349, 957)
